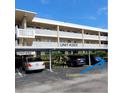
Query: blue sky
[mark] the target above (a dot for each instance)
(84, 12)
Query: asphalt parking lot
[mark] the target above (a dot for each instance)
(95, 81)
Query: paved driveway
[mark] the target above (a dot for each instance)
(58, 82)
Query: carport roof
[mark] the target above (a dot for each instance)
(53, 49)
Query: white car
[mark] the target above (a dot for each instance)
(33, 64)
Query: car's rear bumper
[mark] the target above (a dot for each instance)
(31, 69)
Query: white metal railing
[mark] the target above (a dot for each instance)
(25, 33)
(104, 45)
(54, 33)
(91, 46)
(104, 38)
(39, 44)
(44, 44)
(55, 44)
(92, 37)
(43, 32)
(96, 46)
(70, 35)
(31, 32)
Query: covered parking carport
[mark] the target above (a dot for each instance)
(19, 59)
(37, 50)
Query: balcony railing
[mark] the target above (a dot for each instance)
(96, 46)
(104, 45)
(39, 44)
(104, 38)
(91, 45)
(45, 32)
(32, 32)
(70, 35)
(29, 33)
(44, 44)
(92, 37)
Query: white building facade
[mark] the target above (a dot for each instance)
(38, 33)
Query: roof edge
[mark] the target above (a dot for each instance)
(26, 11)
(55, 22)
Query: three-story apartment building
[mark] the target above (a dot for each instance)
(38, 33)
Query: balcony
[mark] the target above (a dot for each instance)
(91, 46)
(70, 35)
(104, 46)
(95, 46)
(45, 45)
(105, 38)
(91, 37)
(45, 32)
(27, 33)
(32, 32)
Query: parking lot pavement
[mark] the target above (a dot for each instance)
(57, 82)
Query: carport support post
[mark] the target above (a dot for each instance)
(89, 59)
(50, 65)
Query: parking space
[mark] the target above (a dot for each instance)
(58, 81)
(63, 78)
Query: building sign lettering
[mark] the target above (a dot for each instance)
(68, 44)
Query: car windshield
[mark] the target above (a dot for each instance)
(82, 59)
(33, 59)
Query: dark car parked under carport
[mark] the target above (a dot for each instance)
(80, 60)
(76, 61)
